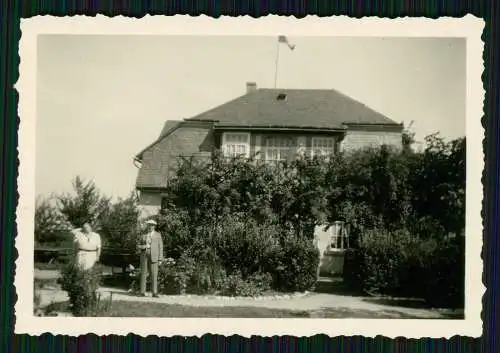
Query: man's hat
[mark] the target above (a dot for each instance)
(151, 221)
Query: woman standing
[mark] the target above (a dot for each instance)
(88, 246)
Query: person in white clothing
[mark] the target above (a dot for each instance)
(87, 246)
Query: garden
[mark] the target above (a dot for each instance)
(236, 227)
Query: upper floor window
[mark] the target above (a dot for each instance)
(236, 144)
(279, 148)
(322, 146)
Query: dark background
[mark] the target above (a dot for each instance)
(11, 12)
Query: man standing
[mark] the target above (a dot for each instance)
(151, 251)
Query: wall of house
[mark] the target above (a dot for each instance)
(149, 203)
(362, 139)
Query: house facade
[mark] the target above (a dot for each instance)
(268, 125)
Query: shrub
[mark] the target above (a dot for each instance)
(187, 275)
(167, 279)
(252, 286)
(245, 246)
(353, 271)
(179, 276)
(82, 286)
(207, 277)
(390, 263)
(445, 280)
(173, 224)
(296, 265)
(400, 264)
(238, 256)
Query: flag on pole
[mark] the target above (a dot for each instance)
(284, 39)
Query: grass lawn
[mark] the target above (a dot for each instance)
(137, 309)
(347, 313)
(141, 309)
(47, 266)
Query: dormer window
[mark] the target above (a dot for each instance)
(281, 97)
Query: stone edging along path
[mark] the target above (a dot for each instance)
(53, 294)
(221, 297)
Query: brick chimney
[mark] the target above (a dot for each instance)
(251, 87)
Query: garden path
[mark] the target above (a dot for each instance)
(317, 303)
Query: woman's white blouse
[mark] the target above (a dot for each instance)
(91, 241)
(86, 246)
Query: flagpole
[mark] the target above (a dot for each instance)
(277, 61)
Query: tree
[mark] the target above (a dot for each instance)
(438, 181)
(50, 224)
(408, 138)
(119, 223)
(87, 205)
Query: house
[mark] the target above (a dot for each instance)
(271, 124)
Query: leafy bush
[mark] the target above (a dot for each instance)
(445, 280)
(237, 256)
(207, 192)
(180, 275)
(252, 286)
(245, 246)
(173, 224)
(368, 188)
(393, 262)
(400, 264)
(82, 286)
(297, 265)
(353, 273)
(438, 183)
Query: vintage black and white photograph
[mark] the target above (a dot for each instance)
(281, 175)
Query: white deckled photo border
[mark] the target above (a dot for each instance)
(468, 27)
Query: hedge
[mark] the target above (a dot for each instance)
(399, 264)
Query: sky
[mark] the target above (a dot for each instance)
(102, 99)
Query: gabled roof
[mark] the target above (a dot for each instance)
(159, 160)
(168, 128)
(314, 108)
